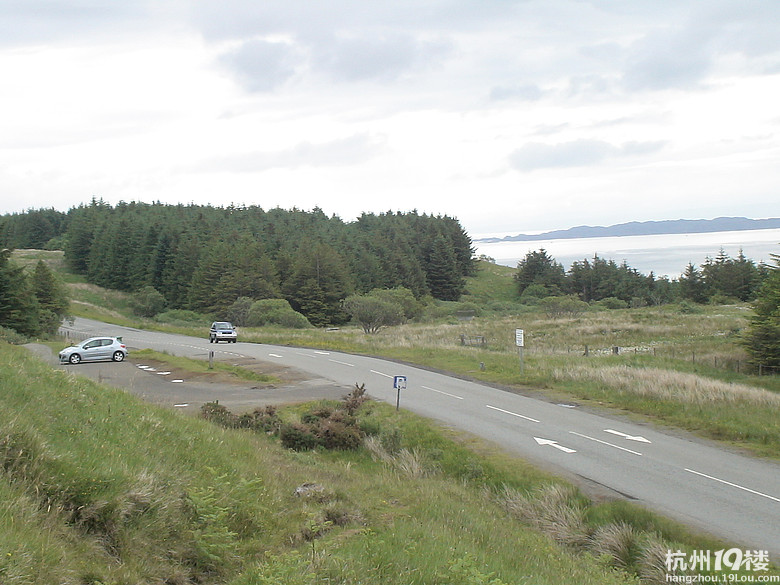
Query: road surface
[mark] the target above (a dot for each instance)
(727, 494)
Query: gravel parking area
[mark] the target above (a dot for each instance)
(188, 391)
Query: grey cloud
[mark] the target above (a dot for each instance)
(376, 57)
(26, 22)
(260, 65)
(577, 153)
(344, 152)
(527, 92)
(671, 60)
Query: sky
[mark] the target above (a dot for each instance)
(511, 116)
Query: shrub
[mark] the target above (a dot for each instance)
(298, 437)
(181, 317)
(11, 336)
(275, 312)
(264, 420)
(147, 302)
(216, 413)
(613, 303)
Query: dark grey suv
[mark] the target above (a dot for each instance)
(222, 331)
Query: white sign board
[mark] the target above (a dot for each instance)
(519, 338)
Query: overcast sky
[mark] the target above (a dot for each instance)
(512, 116)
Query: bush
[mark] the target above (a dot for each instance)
(568, 306)
(147, 302)
(275, 312)
(613, 303)
(12, 337)
(263, 420)
(181, 317)
(298, 437)
(373, 313)
(215, 413)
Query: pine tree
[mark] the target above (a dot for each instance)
(763, 337)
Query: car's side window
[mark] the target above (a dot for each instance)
(106, 342)
(92, 344)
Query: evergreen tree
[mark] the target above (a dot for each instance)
(51, 297)
(540, 269)
(763, 337)
(444, 279)
(692, 286)
(318, 282)
(18, 306)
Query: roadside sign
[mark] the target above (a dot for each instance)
(519, 334)
(399, 383)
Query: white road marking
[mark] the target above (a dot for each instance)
(177, 381)
(342, 363)
(180, 405)
(443, 392)
(512, 413)
(605, 443)
(381, 374)
(322, 352)
(734, 485)
(625, 436)
(163, 373)
(546, 442)
(276, 355)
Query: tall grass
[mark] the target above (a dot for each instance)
(99, 487)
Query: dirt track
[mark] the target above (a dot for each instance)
(188, 391)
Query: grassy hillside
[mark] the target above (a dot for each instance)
(99, 487)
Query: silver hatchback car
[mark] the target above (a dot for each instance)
(95, 349)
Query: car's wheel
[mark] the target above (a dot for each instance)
(74, 358)
(118, 356)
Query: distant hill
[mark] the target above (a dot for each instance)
(647, 228)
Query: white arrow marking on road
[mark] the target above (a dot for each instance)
(553, 444)
(605, 443)
(625, 436)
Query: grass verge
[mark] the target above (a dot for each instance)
(98, 487)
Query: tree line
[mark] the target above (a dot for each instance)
(205, 258)
(720, 278)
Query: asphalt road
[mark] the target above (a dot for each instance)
(729, 495)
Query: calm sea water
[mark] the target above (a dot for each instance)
(661, 254)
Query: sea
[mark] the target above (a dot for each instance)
(662, 254)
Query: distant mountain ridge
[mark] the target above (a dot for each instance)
(648, 228)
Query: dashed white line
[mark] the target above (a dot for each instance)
(734, 485)
(381, 373)
(512, 413)
(442, 392)
(276, 355)
(605, 443)
(342, 363)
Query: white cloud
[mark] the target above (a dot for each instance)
(507, 114)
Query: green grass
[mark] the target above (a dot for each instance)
(97, 486)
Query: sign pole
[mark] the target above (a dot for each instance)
(399, 383)
(520, 343)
